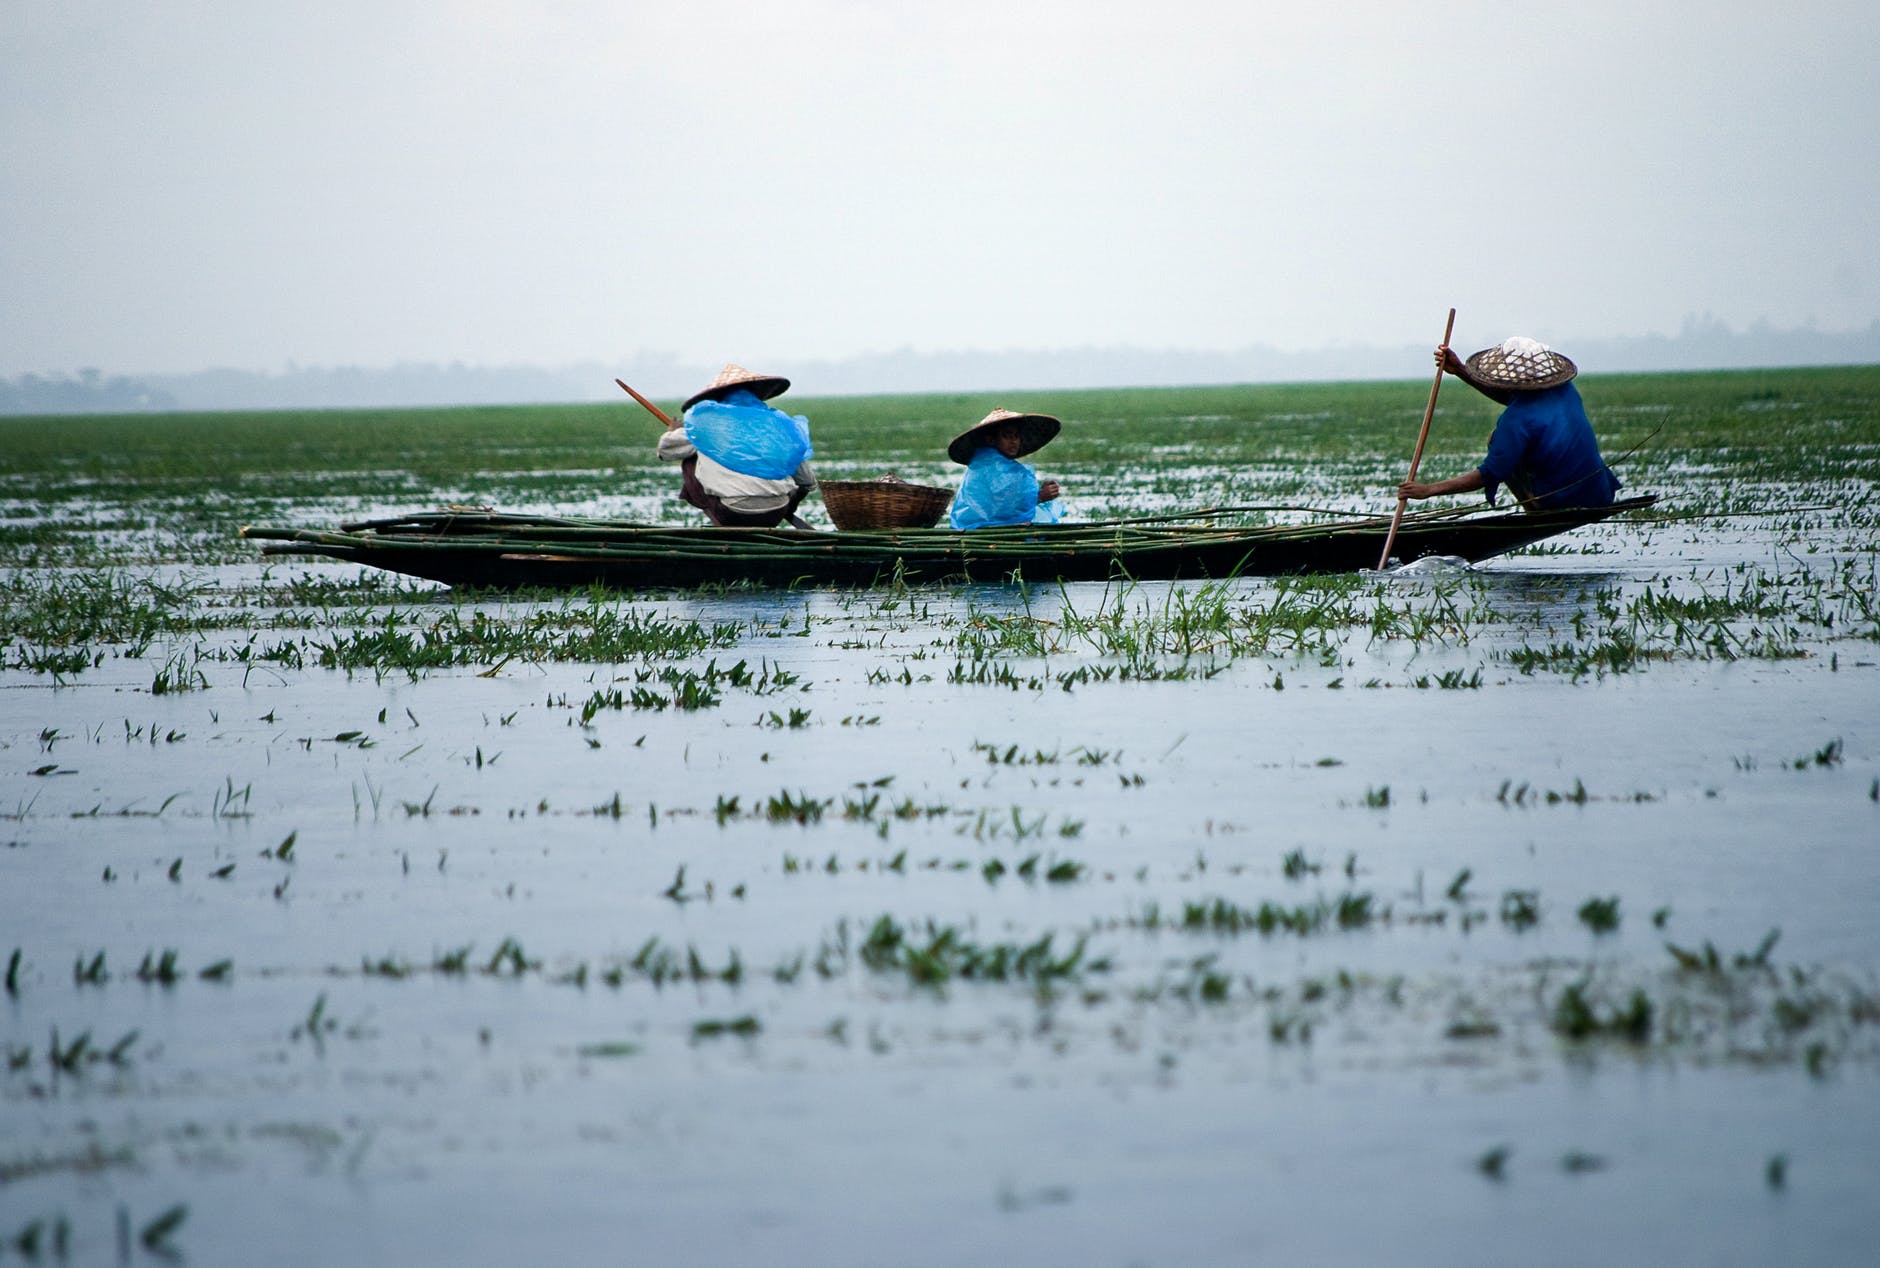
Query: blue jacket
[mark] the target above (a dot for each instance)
(1543, 437)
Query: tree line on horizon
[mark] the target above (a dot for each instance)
(1701, 344)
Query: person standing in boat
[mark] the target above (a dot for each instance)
(998, 488)
(1542, 447)
(744, 463)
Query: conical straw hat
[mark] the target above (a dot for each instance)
(1521, 365)
(762, 386)
(1034, 432)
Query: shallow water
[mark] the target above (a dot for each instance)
(583, 1079)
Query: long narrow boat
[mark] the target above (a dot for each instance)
(490, 549)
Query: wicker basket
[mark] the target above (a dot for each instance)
(890, 502)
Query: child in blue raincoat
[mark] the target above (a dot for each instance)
(998, 488)
(745, 463)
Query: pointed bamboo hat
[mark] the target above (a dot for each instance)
(1521, 364)
(1034, 432)
(734, 376)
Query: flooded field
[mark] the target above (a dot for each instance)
(1516, 913)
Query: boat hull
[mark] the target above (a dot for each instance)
(510, 552)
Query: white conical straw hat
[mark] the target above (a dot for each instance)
(1521, 364)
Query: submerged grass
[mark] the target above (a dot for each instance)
(727, 903)
(101, 493)
(123, 489)
(1744, 418)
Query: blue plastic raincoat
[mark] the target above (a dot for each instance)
(999, 490)
(743, 434)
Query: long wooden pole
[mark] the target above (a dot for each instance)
(1416, 458)
(657, 412)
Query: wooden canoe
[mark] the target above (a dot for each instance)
(488, 549)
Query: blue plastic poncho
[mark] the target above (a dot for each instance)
(744, 435)
(999, 490)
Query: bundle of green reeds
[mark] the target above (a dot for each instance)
(498, 534)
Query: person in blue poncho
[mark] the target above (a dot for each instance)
(1542, 447)
(744, 463)
(998, 488)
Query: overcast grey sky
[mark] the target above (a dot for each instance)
(195, 183)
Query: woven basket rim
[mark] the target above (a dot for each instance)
(891, 486)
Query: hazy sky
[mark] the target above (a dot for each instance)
(193, 184)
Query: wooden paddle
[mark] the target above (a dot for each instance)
(1390, 538)
(659, 413)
